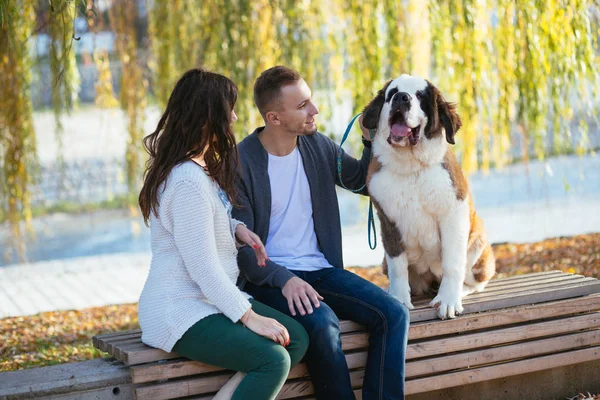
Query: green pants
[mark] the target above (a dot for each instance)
(217, 341)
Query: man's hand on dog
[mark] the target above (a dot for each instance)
(300, 294)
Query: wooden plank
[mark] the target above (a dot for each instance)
(183, 367)
(414, 368)
(528, 276)
(209, 384)
(515, 287)
(566, 281)
(504, 316)
(114, 335)
(469, 322)
(160, 371)
(357, 394)
(530, 287)
(504, 353)
(532, 297)
(305, 387)
(113, 347)
(472, 341)
(189, 387)
(539, 295)
(350, 326)
(503, 281)
(435, 346)
(475, 375)
(492, 283)
(550, 281)
(112, 343)
(108, 336)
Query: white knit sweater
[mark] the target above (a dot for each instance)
(194, 260)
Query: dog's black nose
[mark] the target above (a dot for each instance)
(402, 98)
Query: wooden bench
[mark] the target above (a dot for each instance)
(517, 325)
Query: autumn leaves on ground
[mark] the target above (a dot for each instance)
(65, 336)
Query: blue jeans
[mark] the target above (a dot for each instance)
(348, 296)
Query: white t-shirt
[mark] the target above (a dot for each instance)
(292, 241)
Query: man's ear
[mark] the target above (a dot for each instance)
(373, 109)
(272, 118)
(448, 117)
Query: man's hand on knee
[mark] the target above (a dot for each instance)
(300, 294)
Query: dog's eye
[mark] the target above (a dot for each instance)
(419, 96)
(391, 94)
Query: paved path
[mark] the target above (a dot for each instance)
(72, 284)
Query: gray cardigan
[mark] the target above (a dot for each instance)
(253, 201)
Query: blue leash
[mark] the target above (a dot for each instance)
(371, 219)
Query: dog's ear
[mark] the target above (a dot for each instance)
(448, 117)
(373, 109)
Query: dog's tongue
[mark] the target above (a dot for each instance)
(399, 129)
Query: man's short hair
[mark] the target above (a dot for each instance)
(267, 87)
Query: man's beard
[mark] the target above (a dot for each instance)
(300, 129)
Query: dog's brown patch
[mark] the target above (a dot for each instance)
(372, 111)
(374, 167)
(485, 267)
(442, 114)
(390, 234)
(459, 182)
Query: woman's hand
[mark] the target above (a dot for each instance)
(245, 235)
(266, 327)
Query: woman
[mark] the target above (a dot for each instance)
(190, 303)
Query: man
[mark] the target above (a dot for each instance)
(286, 195)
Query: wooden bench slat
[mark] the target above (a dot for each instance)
(182, 367)
(542, 276)
(567, 281)
(430, 366)
(159, 371)
(519, 290)
(526, 277)
(551, 282)
(204, 385)
(470, 341)
(303, 387)
(516, 325)
(501, 370)
(503, 316)
(511, 300)
(502, 353)
(147, 354)
(529, 276)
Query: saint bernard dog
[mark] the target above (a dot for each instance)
(430, 231)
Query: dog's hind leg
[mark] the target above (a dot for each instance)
(420, 284)
(398, 273)
(482, 270)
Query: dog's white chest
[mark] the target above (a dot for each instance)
(409, 202)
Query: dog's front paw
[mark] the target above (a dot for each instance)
(403, 296)
(448, 305)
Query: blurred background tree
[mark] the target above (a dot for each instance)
(524, 72)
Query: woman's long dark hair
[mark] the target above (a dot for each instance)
(198, 117)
